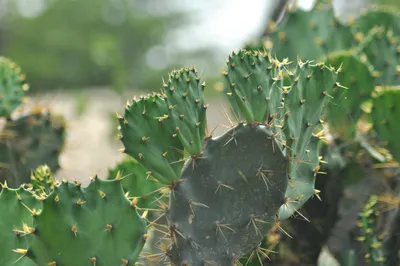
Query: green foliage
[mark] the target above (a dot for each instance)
(104, 42)
(12, 86)
(95, 225)
(16, 206)
(28, 142)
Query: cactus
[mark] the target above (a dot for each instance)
(381, 49)
(377, 16)
(12, 87)
(369, 237)
(309, 34)
(16, 206)
(384, 115)
(150, 138)
(231, 199)
(95, 225)
(28, 142)
(135, 182)
(345, 107)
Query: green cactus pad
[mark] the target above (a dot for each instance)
(28, 142)
(344, 109)
(148, 134)
(135, 181)
(381, 49)
(185, 97)
(385, 113)
(369, 235)
(304, 104)
(43, 182)
(15, 211)
(254, 80)
(378, 16)
(228, 199)
(12, 86)
(96, 225)
(309, 34)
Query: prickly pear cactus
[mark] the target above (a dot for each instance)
(377, 16)
(370, 239)
(381, 49)
(384, 114)
(230, 193)
(345, 107)
(12, 86)
(16, 206)
(309, 34)
(95, 225)
(28, 142)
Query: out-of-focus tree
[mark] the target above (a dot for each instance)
(70, 43)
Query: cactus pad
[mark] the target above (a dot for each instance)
(377, 16)
(385, 113)
(96, 225)
(15, 207)
(255, 81)
(12, 86)
(304, 104)
(185, 97)
(225, 202)
(381, 49)
(344, 109)
(309, 34)
(149, 136)
(28, 142)
(135, 182)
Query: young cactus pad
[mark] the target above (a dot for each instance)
(385, 114)
(12, 86)
(15, 212)
(95, 225)
(149, 136)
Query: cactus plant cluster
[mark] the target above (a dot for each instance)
(361, 126)
(186, 197)
(26, 139)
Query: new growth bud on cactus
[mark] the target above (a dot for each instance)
(12, 86)
(237, 186)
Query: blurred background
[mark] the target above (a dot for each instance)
(84, 59)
